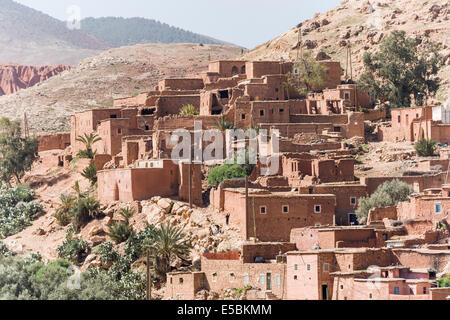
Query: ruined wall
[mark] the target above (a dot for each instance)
(167, 105)
(53, 142)
(181, 84)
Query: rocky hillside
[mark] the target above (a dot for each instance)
(30, 37)
(15, 77)
(363, 24)
(115, 73)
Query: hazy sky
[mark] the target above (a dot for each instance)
(243, 22)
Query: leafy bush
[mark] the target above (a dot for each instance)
(443, 282)
(107, 253)
(388, 194)
(31, 279)
(426, 148)
(4, 250)
(227, 171)
(17, 210)
(138, 242)
(73, 249)
(120, 231)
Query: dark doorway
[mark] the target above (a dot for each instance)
(325, 292)
(269, 282)
(353, 219)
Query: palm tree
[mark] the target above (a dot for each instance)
(88, 140)
(127, 213)
(224, 125)
(168, 242)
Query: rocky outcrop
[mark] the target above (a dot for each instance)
(15, 77)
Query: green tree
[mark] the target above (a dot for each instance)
(400, 70)
(88, 140)
(388, 194)
(309, 76)
(426, 147)
(168, 243)
(17, 153)
(226, 171)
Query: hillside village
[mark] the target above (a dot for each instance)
(298, 228)
(304, 231)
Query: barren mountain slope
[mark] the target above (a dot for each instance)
(364, 24)
(115, 73)
(30, 37)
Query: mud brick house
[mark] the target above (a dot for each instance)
(58, 141)
(335, 237)
(259, 266)
(148, 179)
(342, 274)
(270, 216)
(347, 198)
(414, 124)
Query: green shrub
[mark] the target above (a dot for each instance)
(136, 244)
(227, 171)
(4, 250)
(443, 282)
(31, 279)
(120, 231)
(426, 148)
(107, 253)
(73, 249)
(388, 194)
(17, 210)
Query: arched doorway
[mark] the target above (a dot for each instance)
(234, 71)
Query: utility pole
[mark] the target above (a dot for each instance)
(190, 185)
(26, 129)
(149, 277)
(246, 201)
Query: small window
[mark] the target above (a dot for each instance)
(325, 267)
(417, 115)
(424, 290)
(232, 277)
(278, 279)
(438, 208)
(261, 113)
(246, 280)
(399, 119)
(295, 71)
(119, 131)
(347, 96)
(370, 296)
(295, 267)
(317, 209)
(397, 290)
(281, 110)
(295, 278)
(261, 279)
(342, 287)
(276, 89)
(181, 280)
(308, 267)
(214, 277)
(353, 201)
(170, 280)
(286, 209)
(243, 116)
(113, 116)
(263, 210)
